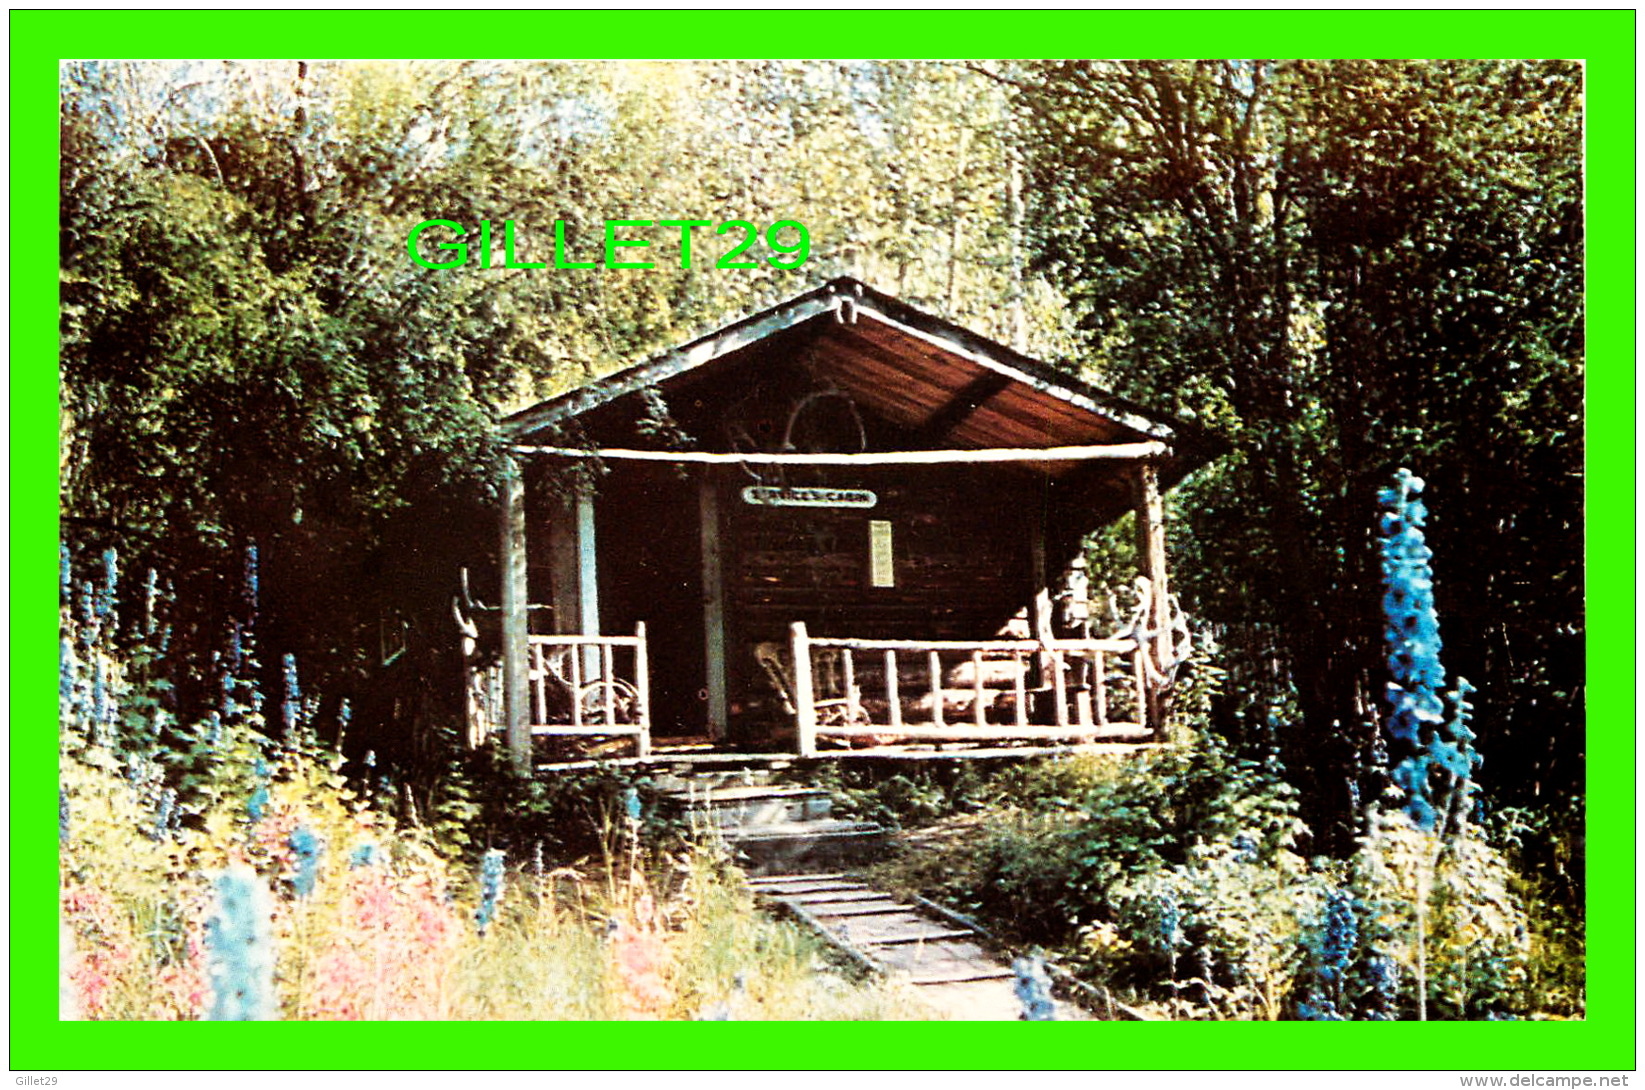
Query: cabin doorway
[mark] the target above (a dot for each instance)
(650, 569)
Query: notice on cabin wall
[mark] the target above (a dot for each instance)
(879, 554)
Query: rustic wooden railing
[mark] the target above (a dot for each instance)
(1057, 690)
(577, 688)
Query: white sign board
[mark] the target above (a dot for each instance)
(772, 496)
(880, 571)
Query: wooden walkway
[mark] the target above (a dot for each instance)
(941, 957)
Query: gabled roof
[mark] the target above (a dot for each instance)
(916, 370)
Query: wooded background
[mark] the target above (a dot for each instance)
(1342, 268)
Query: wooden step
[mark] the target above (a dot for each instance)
(834, 828)
(831, 896)
(861, 908)
(899, 938)
(802, 883)
(788, 893)
(788, 846)
(945, 957)
(963, 976)
(729, 807)
(684, 779)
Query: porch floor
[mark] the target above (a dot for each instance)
(700, 753)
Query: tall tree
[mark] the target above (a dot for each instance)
(1346, 267)
(249, 355)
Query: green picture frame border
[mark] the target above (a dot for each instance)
(1606, 1040)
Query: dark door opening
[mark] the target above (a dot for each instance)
(650, 569)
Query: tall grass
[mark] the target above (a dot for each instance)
(370, 921)
(195, 856)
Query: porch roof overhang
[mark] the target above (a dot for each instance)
(940, 384)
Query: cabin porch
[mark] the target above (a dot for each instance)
(840, 525)
(851, 671)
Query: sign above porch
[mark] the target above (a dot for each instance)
(772, 496)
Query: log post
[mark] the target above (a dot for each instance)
(1020, 681)
(642, 692)
(588, 579)
(805, 708)
(934, 665)
(853, 703)
(893, 694)
(516, 680)
(1039, 606)
(708, 509)
(1151, 563)
(1059, 688)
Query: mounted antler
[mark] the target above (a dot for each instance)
(1175, 624)
(465, 623)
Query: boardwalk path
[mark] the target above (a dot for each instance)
(943, 959)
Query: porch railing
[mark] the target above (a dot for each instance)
(579, 685)
(880, 691)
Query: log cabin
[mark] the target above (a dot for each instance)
(835, 526)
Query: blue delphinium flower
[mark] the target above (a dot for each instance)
(1340, 932)
(257, 804)
(307, 846)
(65, 578)
(1170, 922)
(364, 855)
(106, 600)
(151, 601)
(631, 804)
(1245, 848)
(253, 681)
(291, 707)
(90, 626)
(491, 888)
(84, 662)
(236, 652)
(1439, 757)
(1033, 990)
(225, 682)
(240, 949)
(103, 707)
(66, 669)
(1383, 972)
(251, 584)
(165, 815)
(1318, 1009)
(1332, 947)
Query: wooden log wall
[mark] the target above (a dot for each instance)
(960, 566)
(959, 562)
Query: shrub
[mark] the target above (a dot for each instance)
(1457, 897)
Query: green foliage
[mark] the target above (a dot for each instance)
(248, 355)
(570, 815)
(1334, 265)
(1240, 920)
(1174, 878)
(904, 797)
(1072, 837)
(1475, 944)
